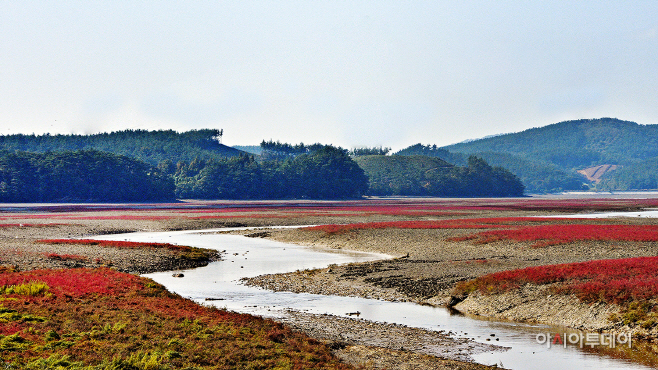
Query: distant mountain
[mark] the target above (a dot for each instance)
(626, 150)
(574, 144)
(547, 159)
(152, 147)
(536, 176)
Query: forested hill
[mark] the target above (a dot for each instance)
(425, 176)
(152, 147)
(547, 159)
(574, 144)
(80, 176)
(536, 176)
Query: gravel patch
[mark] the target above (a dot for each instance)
(428, 349)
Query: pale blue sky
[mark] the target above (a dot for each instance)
(349, 73)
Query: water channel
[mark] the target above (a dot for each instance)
(247, 257)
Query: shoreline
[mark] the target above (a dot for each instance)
(419, 279)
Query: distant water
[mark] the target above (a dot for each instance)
(640, 194)
(636, 214)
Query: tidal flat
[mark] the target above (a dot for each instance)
(435, 243)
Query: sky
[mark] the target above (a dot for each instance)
(347, 73)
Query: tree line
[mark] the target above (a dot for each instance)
(151, 147)
(289, 171)
(427, 176)
(84, 175)
(323, 173)
(536, 176)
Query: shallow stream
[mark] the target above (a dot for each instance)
(248, 257)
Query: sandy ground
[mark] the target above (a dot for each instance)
(381, 346)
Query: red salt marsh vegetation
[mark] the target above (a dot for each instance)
(630, 282)
(407, 208)
(545, 235)
(460, 223)
(612, 281)
(83, 318)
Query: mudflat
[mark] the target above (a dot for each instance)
(28, 241)
(428, 260)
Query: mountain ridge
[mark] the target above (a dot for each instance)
(575, 144)
(549, 158)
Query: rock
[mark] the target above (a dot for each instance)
(454, 300)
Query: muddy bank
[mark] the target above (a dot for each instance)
(428, 264)
(383, 358)
(537, 304)
(380, 346)
(24, 256)
(20, 247)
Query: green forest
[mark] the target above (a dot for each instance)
(84, 175)
(137, 165)
(547, 159)
(639, 175)
(323, 173)
(536, 176)
(152, 147)
(93, 176)
(419, 175)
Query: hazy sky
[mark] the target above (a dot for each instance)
(349, 73)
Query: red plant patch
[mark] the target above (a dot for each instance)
(613, 281)
(120, 217)
(9, 328)
(544, 235)
(464, 223)
(239, 216)
(95, 317)
(572, 205)
(76, 282)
